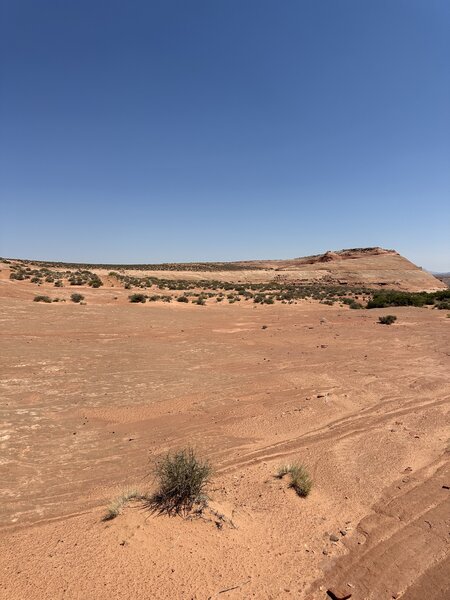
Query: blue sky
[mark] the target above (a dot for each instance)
(145, 131)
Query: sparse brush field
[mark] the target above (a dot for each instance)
(204, 291)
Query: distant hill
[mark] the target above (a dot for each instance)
(444, 277)
(370, 267)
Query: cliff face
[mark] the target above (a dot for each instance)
(374, 267)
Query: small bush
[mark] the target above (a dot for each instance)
(42, 299)
(387, 319)
(443, 305)
(182, 479)
(77, 297)
(58, 283)
(300, 480)
(182, 299)
(137, 298)
(355, 305)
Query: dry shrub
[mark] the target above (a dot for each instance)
(182, 480)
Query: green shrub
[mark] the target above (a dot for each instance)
(42, 299)
(387, 319)
(58, 283)
(182, 299)
(300, 480)
(182, 481)
(137, 298)
(77, 297)
(393, 298)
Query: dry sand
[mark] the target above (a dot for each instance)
(90, 394)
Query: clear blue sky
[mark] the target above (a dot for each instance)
(147, 131)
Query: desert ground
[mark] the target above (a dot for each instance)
(92, 393)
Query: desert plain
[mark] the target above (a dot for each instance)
(91, 393)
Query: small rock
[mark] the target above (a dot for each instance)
(343, 532)
(334, 538)
(446, 487)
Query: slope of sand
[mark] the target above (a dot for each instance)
(91, 394)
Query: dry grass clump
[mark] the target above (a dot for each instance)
(182, 480)
(116, 505)
(300, 481)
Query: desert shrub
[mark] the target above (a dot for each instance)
(77, 297)
(137, 298)
(443, 305)
(393, 298)
(355, 305)
(182, 481)
(387, 319)
(58, 283)
(182, 299)
(115, 507)
(35, 280)
(300, 481)
(42, 299)
(442, 295)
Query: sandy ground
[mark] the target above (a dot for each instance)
(90, 394)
